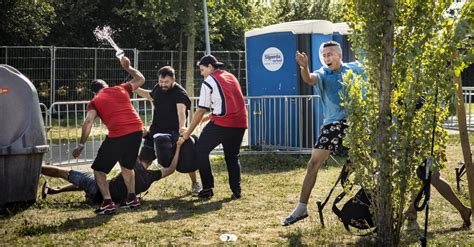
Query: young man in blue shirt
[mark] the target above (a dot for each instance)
(328, 83)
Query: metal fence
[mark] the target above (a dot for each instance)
(270, 128)
(281, 124)
(63, 73)
(452, 122)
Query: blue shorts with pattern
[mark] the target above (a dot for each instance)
(85, 181)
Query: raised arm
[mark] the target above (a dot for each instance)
(86, 130)
(138, 78)
(166, 171)
(302, 61)
(144, 93)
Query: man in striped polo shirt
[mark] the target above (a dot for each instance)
(222, 96)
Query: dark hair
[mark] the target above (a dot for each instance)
(166, 71)
(331, 43)
(98, 85)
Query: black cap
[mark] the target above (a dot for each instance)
(210, 59)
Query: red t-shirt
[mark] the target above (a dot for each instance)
(114, 108)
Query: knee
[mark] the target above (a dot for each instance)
(314, 165)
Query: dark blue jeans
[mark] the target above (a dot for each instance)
(231, 139)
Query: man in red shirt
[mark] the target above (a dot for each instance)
(220, 94)
(113, 106)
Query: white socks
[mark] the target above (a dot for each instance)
(300, 210)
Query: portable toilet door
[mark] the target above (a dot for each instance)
(279, 116)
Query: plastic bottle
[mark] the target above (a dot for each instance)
(228, 237)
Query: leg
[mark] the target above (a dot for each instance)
(101, 180)
(208, 140)
(318, 156)
(447, 192)
(129, 179)
(231, 153)
(195, 186)
(55, 172)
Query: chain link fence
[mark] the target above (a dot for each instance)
(63, 73)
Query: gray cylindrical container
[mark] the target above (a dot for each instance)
(22, 138)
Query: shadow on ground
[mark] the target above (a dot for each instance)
(179, 208)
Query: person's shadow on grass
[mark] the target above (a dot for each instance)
(66, 226)
(178, 208)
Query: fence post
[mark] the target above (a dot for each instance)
(53, 70)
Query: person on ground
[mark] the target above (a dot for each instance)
(85, 181)
(222, 96)
(125, 130)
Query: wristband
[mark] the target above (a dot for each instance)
(81, 145)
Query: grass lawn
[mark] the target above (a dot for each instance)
(170, 215)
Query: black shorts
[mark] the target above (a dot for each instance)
(331, 135)
(122, 149)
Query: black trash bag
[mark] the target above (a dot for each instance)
(355, 212)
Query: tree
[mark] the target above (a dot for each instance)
(25, 22)
(404, 44)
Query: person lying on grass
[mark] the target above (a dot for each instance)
(84, 181)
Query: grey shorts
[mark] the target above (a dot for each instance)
(85, 181)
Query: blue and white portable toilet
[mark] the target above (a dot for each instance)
(272, 72)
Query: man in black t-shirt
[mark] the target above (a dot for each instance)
(171, 105)
(85, 181)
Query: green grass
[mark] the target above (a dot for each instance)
(170, 215)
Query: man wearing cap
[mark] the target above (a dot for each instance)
(220, 94)
(328, 83)
(171, 105)
(113, 106)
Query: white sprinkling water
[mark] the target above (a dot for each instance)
(104, 34)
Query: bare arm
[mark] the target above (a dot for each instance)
(166, 171)
(198, 115)
(86, 130)
(181, 109)
(138, 78)
(144, 93)
(302, 61)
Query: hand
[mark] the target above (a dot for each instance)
(301, 59)
(182, 130)
(77, 151)
(125, 62)
(182, 138)
(145, 132)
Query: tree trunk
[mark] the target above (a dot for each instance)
(385, 234)
(191, 39)
(466, 148)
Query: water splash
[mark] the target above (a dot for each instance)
(104, 34)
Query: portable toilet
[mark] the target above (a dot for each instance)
(340, 34)
(272, 74)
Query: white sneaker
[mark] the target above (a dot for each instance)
(196, 187)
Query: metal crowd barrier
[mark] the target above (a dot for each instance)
(452, 121)
(281, 124)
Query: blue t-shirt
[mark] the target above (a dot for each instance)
(330, 87)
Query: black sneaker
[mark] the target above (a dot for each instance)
(135, 203)
(106, 209)
(236, 196)
(206, 194)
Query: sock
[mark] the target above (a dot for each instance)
(131, 196)
(107, 201)
(301, 209)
